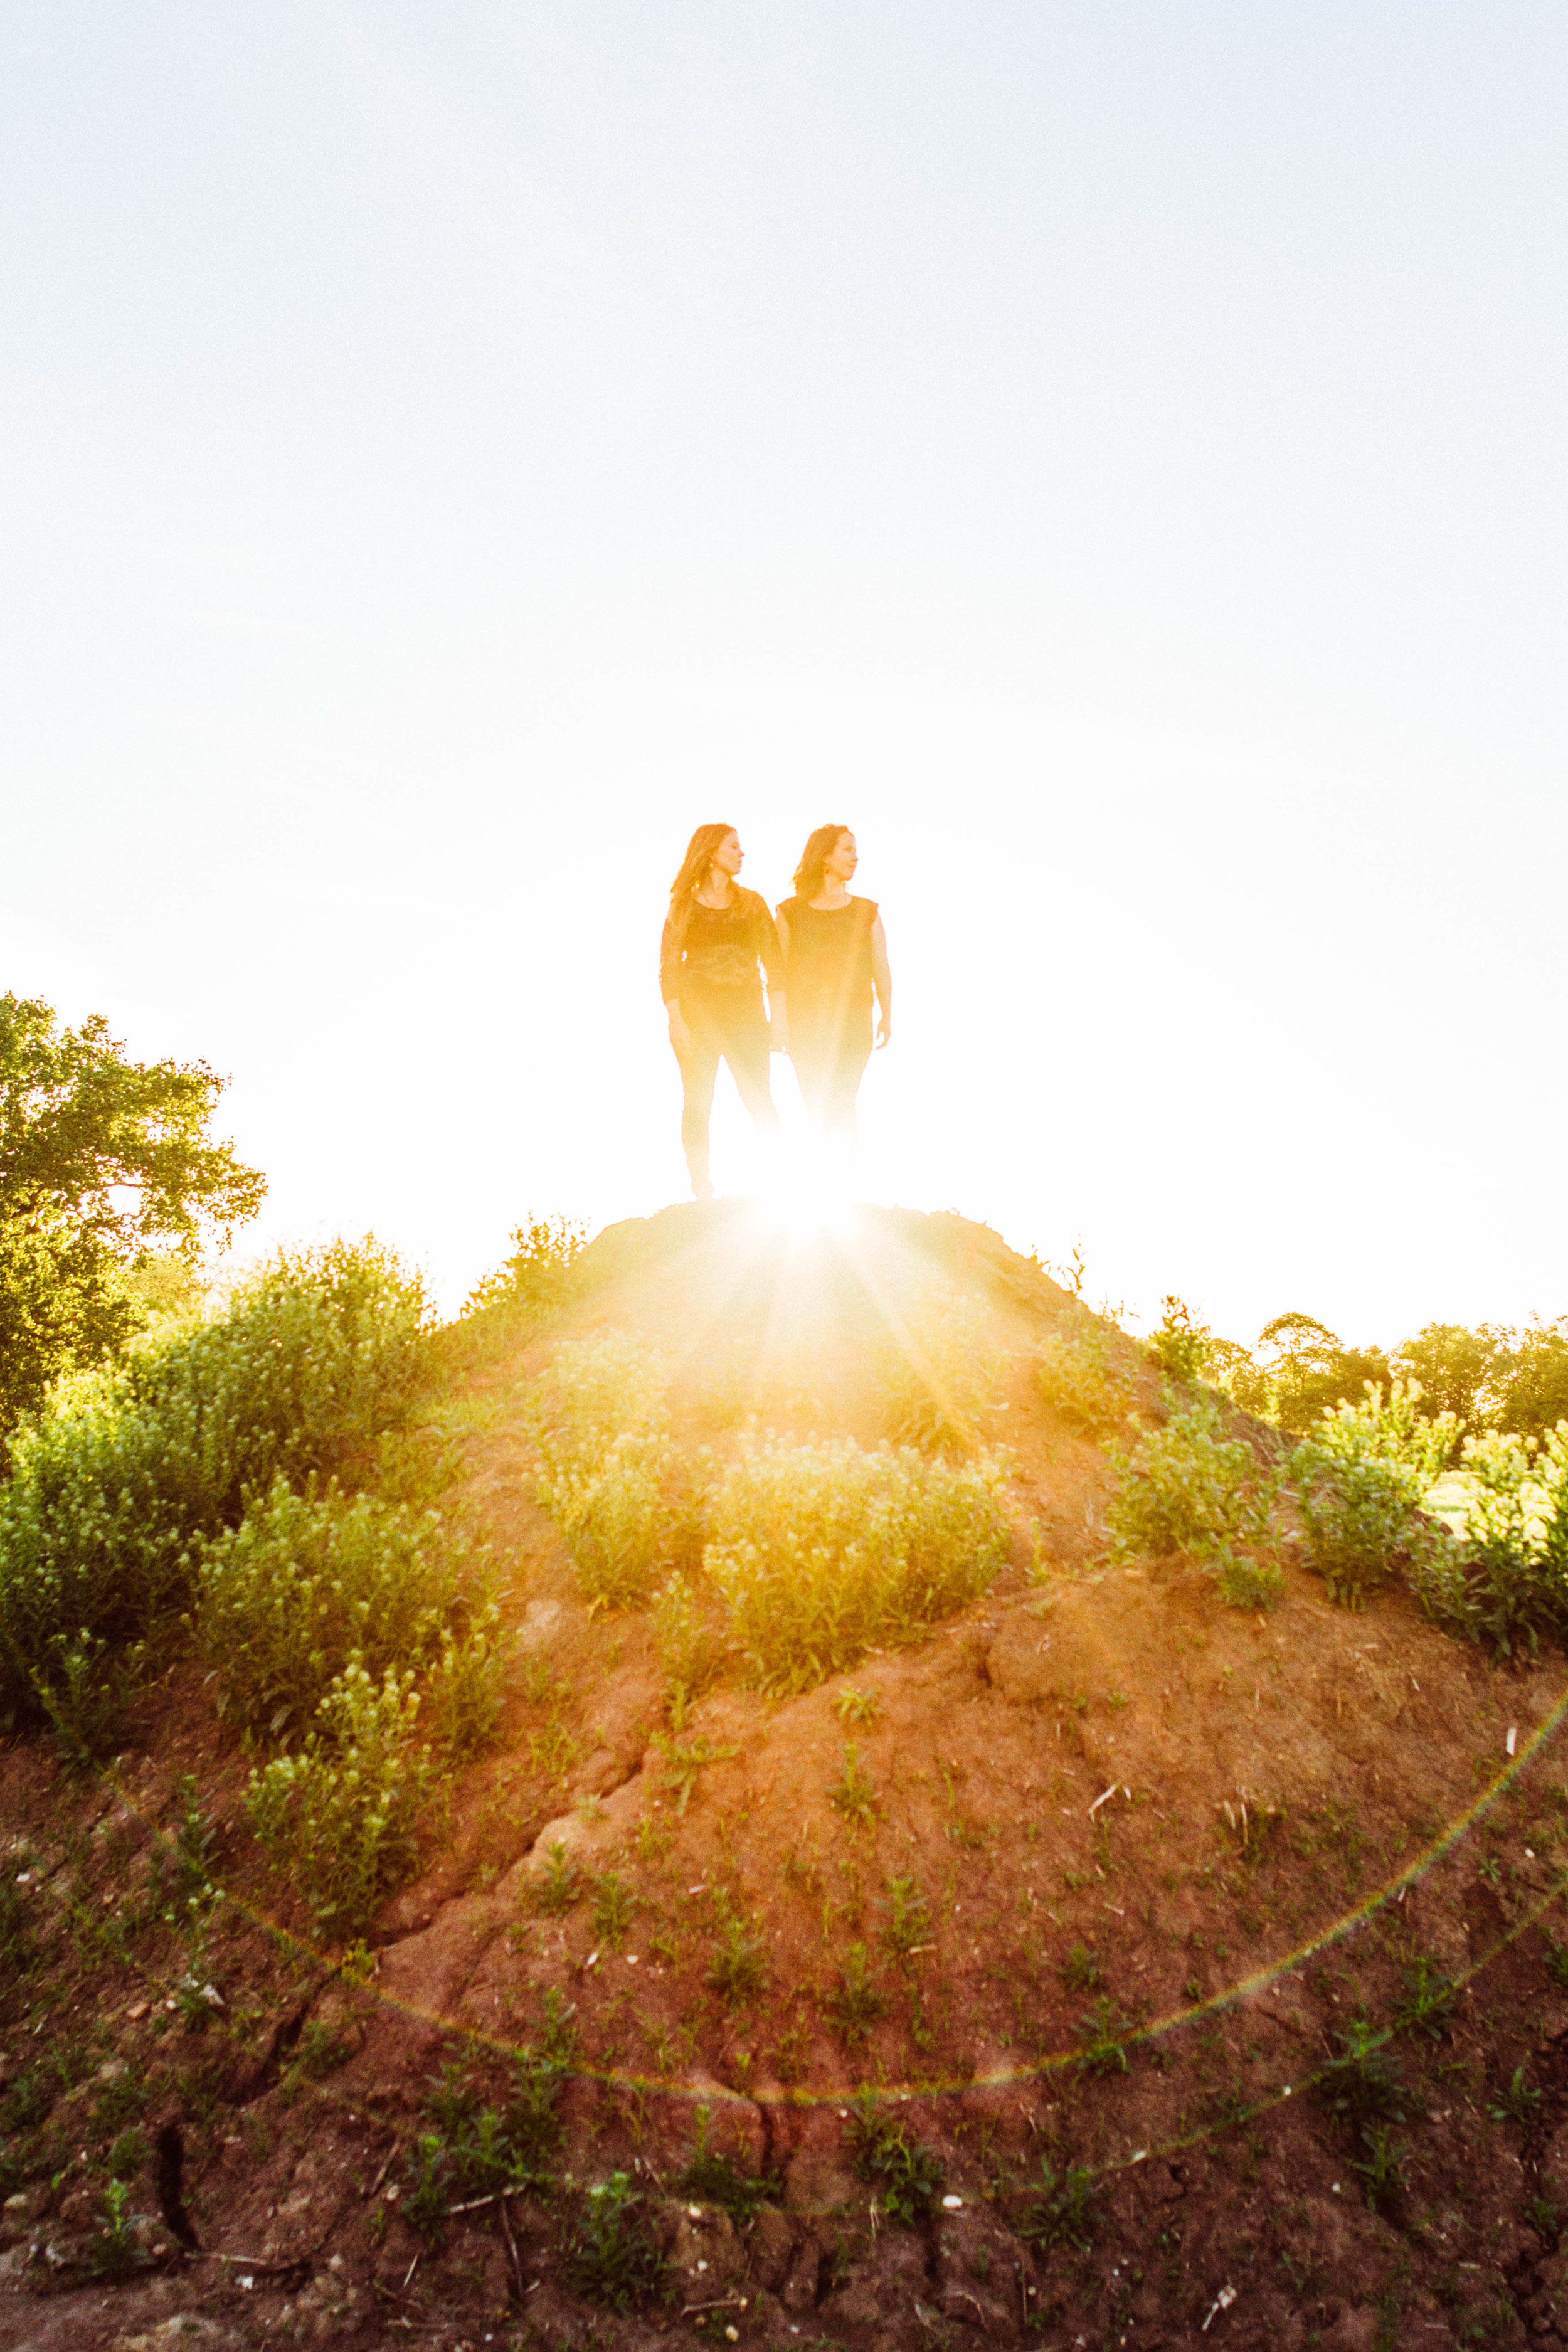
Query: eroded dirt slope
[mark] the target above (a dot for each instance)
(1103, 1878)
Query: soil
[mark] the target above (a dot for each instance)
(1157, 1861)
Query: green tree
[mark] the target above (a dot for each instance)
(1458, 1371)
(1533, 1378)
(1309, 1370)
(100, 1159)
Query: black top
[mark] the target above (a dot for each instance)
(828, 969)
(716, 962)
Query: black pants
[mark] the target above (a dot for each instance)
(744, 1045)
(830, 1058)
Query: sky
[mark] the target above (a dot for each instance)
(1108, 455)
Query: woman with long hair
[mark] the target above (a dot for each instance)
(836, 960)
(717, 936)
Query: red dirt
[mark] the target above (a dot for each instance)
(1247, 1830)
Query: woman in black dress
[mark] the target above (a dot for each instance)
(716, 937)
(835, 958)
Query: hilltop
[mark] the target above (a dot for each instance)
(1099, 1965)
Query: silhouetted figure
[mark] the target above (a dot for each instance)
(836, 960)
(718, 941)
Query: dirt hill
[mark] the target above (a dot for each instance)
(1108, 1968)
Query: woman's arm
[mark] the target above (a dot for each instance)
(882, 981)
(771, 953)
(670, 988)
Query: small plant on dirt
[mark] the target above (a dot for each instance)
(1381, 2169)
(1427, 2005)
(127, 2154)
(1364, 2080)
(738, 1970)
(341, 1817)
(907, 1928)
(112, 2253)
(320, 2052)
(713, 2179)
(857, 1705)
(613, 1905)
(611, 2257)
(602, 1427)
(424, 2205)
(558, 1887)
(1545, 2220)
(821, 1552)
(1081, 1971)
(908, 2176)
(683, 1763)
(938, 1375)
(1515, 1545)
(1247, 1583)
(1517, 2103)
(1077, 1375)
(1060, 2212)
(1556, 1962)
(1101, 2035)
(853, 1793)
(1360, 1475)
(1186, 1487)
(856, 2002)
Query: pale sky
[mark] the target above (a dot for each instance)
(1110, 456)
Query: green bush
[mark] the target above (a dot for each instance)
(607, 1468)
(124, 1468)
(1180, 1348)
(340, 1817)
(1076, 1375)
(306, 1583)
(537, 1279)
(1359, 1478)
(1185, 1487)
(936, 1375)
(1506, 1581)
(611, 2257)
(821, 1550)
(689, 1638)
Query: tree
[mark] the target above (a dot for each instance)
(1310, 1369)
(100, 1159)
(1458, 1370)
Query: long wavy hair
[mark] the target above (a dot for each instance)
(811, 873)
(692, 871)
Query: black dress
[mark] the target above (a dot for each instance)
(829, 981)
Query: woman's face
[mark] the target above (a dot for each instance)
(729, 858)
(842, 859)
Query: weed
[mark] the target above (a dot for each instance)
(559, 1888)
(1076, 1375)
(1364, 2080)
(713, 2179)
(539, 1278)
(121, 2100)
(937, 1376)
(1080, 1971)
(320, 2052)
(1544, 2219)
(1247, 1583)
(424, 2205)
(611, 2256)
(689, 1636)
(1518, 2104)
(562, 2043)
(602, 1428)
(682, 1765)
(1187, 1488)
(1061, 2211)
(821, 1552)
(127, 2154)
(857, 1705)
(1179, 1348)
(1381, 2169)
(112, 2253)
(1428, 1999)
(856, 2002)
(612, 1905)
(738, 1970)
(909, 2176)
(1100, 2033)
(1556, 1962)
(26, 2101)
(341, 1816)
(854, 1794)
(908, 1924)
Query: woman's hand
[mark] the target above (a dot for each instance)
(680, 1034)
(884, 1030)
(778, 1034)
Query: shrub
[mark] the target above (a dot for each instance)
(938, 1374)
(124, 1468)
(339, 1817)
(739, 1968)
(306, 1583)
(909, 2176)
(689, 1638)
(856, 2002)
(1247, 1583)
(1179, 1347)
(537, 1279)
(1185, 1487)
(1516, 1538)
(1076, 1375)
(602, 1426)
(1061, 2211)
(821, 1550)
